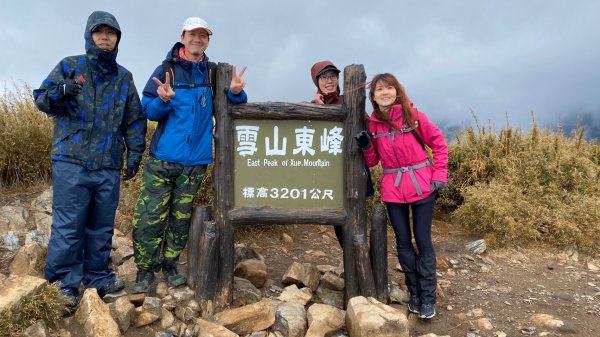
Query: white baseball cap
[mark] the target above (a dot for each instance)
(195, 22)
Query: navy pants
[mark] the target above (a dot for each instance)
(84, 203)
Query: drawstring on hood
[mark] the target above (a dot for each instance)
(102, 62)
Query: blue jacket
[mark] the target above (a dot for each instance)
(185, 124)
(105, 119)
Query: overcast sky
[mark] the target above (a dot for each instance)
(453, 57)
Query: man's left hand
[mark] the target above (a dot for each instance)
(131, 171)
(237, 81)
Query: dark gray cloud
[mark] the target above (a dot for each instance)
(493, 58)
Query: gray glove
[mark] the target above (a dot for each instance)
(437, 185)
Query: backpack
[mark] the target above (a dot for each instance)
(168, 67)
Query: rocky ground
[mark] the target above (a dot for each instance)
(504, 292)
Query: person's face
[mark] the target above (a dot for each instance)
(195, 42)
(384, 95)
(105, 38)
(328, 82)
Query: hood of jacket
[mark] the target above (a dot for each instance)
(332, 98)
(103, 61)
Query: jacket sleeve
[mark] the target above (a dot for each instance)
(433, 137)
(240, 98)
(153, 107)
(48, 98)
(134, 127)
(370, 154)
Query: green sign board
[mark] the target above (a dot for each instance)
(288, 164)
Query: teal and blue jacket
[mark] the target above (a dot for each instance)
(185, 124)
(105, 119)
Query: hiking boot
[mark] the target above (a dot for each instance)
(143, 280)
(414, 304)
(174, 279)
(427, 310)
(111, 287)
(71, 298)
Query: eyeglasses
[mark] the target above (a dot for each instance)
(327, 78)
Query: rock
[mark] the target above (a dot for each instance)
(546, 320)
(210, 329)
(286, 238)
(478, 246)
(244, 292)
(166, 318)
(137, 299)
(369, 317)
(398, 295)
(332, 281)
(15, 289)
(10, 240)
(152, 304)
(121, 254)
(128, 270)
(123, 311)
(305, 274)
(254, 270)
(290, 319)
(43, 202)
(162, 289)
(247, 319)
(144, 318)
(323, 320)
(94, 315)
(29, 260)
(182, 295)
(37, 236)
(39, 329)
(433, 335)
(484, 324)
(293, 294)
(13, 218)
(592, 267)
(323, 268)
(331, 297)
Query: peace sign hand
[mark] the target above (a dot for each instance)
(164, 90)
(237, 81)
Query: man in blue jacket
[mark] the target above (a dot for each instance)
(179, 97)
(97, 115)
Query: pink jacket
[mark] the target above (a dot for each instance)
(403, 151)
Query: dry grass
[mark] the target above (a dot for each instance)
(519, 187)
(47, 305)
(25, 140)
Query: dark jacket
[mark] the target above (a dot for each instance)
(185, 124)
(106, 118)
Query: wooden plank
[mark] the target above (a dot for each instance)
(363, 265)
(223, 189)
(378, 249)
(287, 111)
(207, 271)
(200, 213)
(355, 174)
(267, 215)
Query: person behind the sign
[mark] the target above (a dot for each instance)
(97, 116)
(398, 137)
(180, 150)
(325, 76)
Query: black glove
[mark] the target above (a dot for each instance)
(363, 139)
(437, 185)
(131, 171)
(71, 87)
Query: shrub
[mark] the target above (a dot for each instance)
(518, 187)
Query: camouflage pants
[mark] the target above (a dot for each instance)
(161, 220)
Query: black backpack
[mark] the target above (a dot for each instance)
(167, 67)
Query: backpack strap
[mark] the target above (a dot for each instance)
(418, 133)
(168, 67)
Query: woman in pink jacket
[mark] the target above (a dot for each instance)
(399, 137)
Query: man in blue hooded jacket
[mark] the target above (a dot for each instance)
(180, 150)
(97, 116)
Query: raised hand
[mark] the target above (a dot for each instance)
(237, 81)
(318, 98)
(71, 87)
(164, 90)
